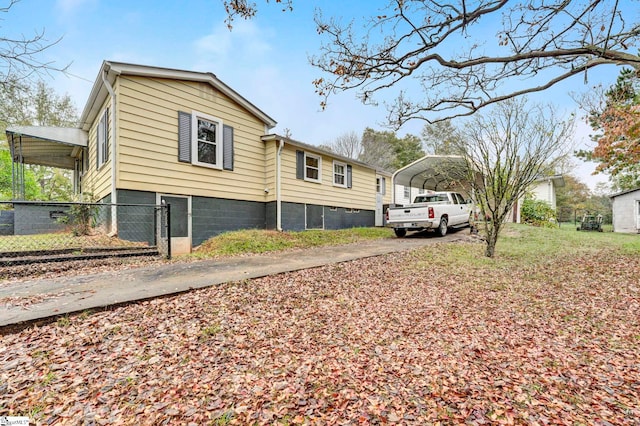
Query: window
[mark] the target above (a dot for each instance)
(340, 174)
(309, 168)
(381, 185)
(204, 141)
(407, 192)
(102, 153)
(312, 167)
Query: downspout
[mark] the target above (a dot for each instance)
(278, 185)
(114, 195)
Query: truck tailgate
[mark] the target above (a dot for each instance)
(408, 214)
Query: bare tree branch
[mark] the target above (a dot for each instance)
(246, 9)
(510, 148)
(449, 51)
(20, 56)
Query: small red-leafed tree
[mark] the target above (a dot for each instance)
(616, 121)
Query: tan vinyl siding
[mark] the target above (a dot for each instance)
(362, 194)
(97, 182)
(271, 151)
(148, 141)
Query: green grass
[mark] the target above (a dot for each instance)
(524, 244)
(517, 243)
(254, 241)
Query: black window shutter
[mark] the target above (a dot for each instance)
(299, 164)
(98, 146)
(105, 156)
(383, 186)
(184, 137)
(349, 177)
(106, 136)
(227, 147)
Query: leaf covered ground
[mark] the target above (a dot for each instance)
(407, 338)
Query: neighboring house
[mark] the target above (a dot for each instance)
(406, 194)
(543, 189)
(626, 211)
(152, 135)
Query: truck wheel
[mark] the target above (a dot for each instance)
(400, 232)
(442, 228)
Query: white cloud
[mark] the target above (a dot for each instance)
(71, 6)
(246, 45)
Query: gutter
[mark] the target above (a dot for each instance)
(114, 195)
(279, 186)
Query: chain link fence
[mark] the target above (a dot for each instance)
(33, 231)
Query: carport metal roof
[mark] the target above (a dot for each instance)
(434, 172)
(46, 146)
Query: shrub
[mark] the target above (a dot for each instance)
(537, 213)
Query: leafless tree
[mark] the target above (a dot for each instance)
(465, 54)
(20, 55)
(506, 151)
(440, 138)
(469, 54)
(348, 145)
(377, 148)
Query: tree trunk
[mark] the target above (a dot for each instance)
(491, 246)
(493, 230)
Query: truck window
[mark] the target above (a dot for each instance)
(460, 198)
(454, 199)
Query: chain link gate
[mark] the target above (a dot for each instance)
(34, 231)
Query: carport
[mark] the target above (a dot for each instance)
(61, 147)
(436, 173)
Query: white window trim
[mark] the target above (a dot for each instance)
(319, 158)
(194, 140)
(381, 183)
(344, 174)
(102, 138)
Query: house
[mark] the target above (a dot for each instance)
(405, 194)
(151, 135)
(543, 189)
(626, 211)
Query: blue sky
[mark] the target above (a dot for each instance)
(265, 59)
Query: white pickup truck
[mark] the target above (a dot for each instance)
(433, 210)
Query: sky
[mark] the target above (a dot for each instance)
(265, 59)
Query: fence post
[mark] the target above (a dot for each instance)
(168, 231)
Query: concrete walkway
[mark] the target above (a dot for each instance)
(45, 298)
